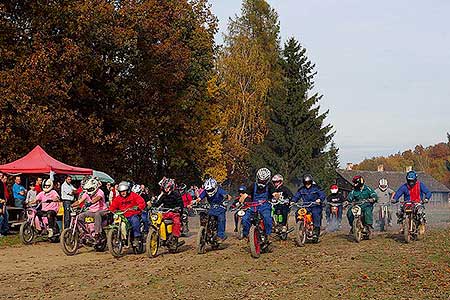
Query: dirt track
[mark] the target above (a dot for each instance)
(336, 268)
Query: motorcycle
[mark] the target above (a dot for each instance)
(384, 216)
(81, 234)
(35, 227)
(277, 217)
(334, 223)
(304, 225)
(360, 229)
(161, 233)
(207, 233)
(120, 235)
(258, 240)
(414, 221)
(239, 212)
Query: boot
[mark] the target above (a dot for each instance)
(50, 232)
(136, 242)
(316, 234)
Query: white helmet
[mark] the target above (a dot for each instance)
(124, 186)
(383, 185)
(91, 186)
(211, 186)
(136, 189)
(47, 186)
(277, 180)
(263, 177)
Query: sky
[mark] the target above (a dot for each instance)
(383, 68)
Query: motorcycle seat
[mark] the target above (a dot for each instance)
(168, 222)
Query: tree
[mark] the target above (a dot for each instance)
(297, 139)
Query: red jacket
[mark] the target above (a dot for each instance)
(121, 203)
(187, 199)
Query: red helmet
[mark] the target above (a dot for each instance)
(334, 189)
(358, 181)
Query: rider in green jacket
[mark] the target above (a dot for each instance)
(362, 192)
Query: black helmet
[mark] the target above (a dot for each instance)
(307, 179)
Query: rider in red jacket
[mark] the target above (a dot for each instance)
(133, 204)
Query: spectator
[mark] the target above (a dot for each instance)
(57, 187)
(67, 197)
(31, 195)
(4, 187)
(38, 187)
(19, 192)
(3, 212)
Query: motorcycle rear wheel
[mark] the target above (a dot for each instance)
(357, 234)
(255, 245)
(26, 233)
(300, 234)
(115, 243)
(201, 240)
(69, 242)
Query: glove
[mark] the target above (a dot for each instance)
(318, 201)
(426, 200)
(371, 200)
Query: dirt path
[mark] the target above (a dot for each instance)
(337, 268)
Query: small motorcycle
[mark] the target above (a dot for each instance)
(207, 233)
(161, 233)
(277, 217)
(239, 212)
(414, 221)
(258, 240)
(384, 216)
(34, 227)
(304, 229)
(120, 235)
(360, 229)
(334, 223)
(81, 234)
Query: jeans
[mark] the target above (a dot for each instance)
(4, 226)
(145, 221)
(66, 206)
(136, 225)
(219, 212)
(18, 202)
(51, 217)
(265, 210)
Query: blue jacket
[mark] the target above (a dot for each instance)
(218, 197)
(404, 191)
(309, 195)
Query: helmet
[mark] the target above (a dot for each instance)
(307, 179)
(242, 189)
(277, 180)
(47, 186)
(163, 181)
(411, 178)
(383, 184)
(211, 186)
(334, 189)
(182, 188)
(136, 189)
(263, 177)
(168, 185)
(91, 186)
(358, 182)
(124, 186)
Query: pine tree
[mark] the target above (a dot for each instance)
(297, 140)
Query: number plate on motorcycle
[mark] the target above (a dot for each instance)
(241, 213)
(89, 220)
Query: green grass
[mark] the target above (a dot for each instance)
(9, 240)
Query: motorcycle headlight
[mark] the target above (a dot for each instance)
(355, 210)
(154, 217)
(116, 219)
(73, 214)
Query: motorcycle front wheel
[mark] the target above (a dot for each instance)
(201, 240)
(240, 233)
(406, 233)
(115, 243)
(101, 246)
(357, 230)
(255, 244)
(300, 234)
(26, 233)
(69, 242)
(152, 244)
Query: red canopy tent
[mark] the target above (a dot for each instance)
(39, 162)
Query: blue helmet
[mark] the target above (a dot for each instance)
(242, 189)
(411, 178)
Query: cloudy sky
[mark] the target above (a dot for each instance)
(383, 68)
